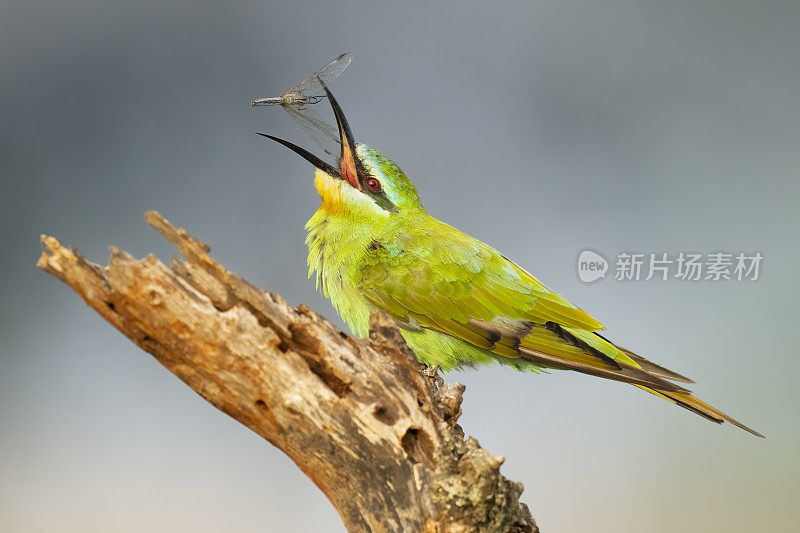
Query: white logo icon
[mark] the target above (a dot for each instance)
(591, 266)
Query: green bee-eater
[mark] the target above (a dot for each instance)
(458, 302)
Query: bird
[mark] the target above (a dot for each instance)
(457, 301)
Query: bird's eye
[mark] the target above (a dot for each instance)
(373, 184)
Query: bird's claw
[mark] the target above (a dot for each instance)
(431, 371)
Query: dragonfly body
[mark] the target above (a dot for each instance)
(458, 301)
(292, 99)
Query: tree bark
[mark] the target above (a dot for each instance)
(375, 430)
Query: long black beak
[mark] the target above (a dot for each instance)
(347, 160)
(305, 154)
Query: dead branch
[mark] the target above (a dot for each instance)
(375, 430)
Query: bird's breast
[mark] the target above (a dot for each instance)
(336, 252)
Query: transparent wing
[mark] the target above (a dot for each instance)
(327, 73)
(303, 92)
(323, 134)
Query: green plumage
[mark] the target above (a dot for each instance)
(429, 276)
(458, 301)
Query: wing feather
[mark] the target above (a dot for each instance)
(464, 288)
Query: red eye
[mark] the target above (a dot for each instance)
(373, 184)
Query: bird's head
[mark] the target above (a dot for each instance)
(364, 183)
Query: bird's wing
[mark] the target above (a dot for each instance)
(449, 273)
(441, 279)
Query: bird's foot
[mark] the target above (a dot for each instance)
(431, 371)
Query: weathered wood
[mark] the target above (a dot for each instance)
(376, 431)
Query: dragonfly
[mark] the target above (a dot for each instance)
(299, 98)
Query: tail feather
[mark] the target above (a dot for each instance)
(657, 370)
(649, 366)
(697, 406)
(623, 373)
(553, 346)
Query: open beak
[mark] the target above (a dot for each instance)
(348, 168)
(305, 154)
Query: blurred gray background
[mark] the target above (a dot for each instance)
(542, 128)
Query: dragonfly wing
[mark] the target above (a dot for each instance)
(327, 73)
(323, 134)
